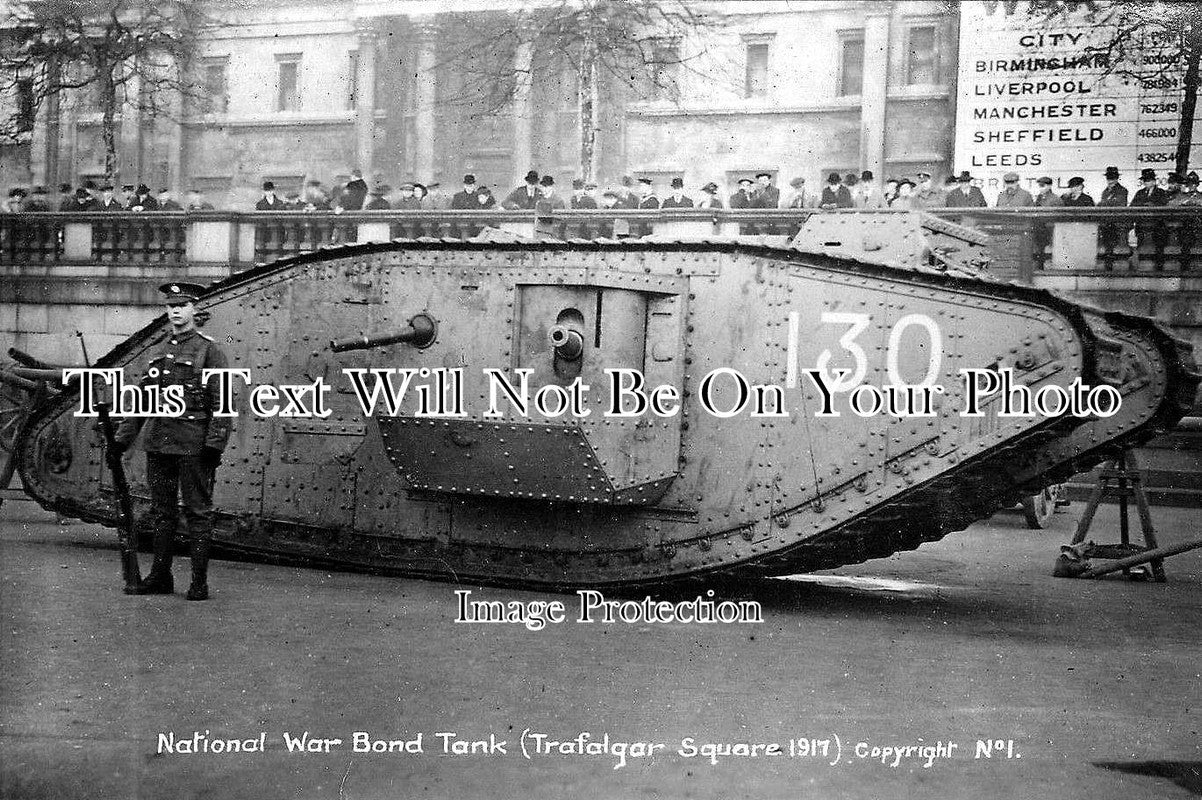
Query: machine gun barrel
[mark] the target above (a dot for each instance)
(420, 332)
(568, 343)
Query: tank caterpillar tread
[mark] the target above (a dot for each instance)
(563, 501)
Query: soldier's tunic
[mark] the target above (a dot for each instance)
(176, 458)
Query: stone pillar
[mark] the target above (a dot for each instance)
(875, 93)
(175, 143)
(44, 147)
(365, 104)
(523, 114)
(427, 58)
(129, 138)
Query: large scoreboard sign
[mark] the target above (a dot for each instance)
(1040, 98)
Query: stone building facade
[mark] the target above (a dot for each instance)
(311, 90)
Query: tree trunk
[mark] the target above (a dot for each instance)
(108, 106)
(1185, 131)
(586, 96)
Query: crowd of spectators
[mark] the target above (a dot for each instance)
(540, 191)
(104, 197)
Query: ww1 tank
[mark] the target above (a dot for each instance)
(547, 496)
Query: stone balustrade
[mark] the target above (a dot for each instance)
(1025, 241)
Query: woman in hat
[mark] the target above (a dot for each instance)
(711, 199)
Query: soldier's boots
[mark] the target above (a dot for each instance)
(159, 581)
(199, 590)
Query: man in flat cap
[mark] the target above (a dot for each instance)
(1012, 195)
(182, 452)
(1041, 232)
(927, 195)
(741, 198)
(766, 195)
(1044, 196)
(1076, 196)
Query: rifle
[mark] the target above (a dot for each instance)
(130, 572)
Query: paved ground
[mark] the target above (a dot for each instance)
(963, 640)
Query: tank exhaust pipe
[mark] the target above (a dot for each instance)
(421, 332)
(568, 343)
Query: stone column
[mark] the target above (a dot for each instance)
(129, 137)
(365, 103)
(875, 92)
(44, 147)
(425, 98)
(175, 142)
(523, 114)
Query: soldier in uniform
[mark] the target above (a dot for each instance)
(182, 453)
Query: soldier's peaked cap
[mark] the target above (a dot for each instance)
(179, 290)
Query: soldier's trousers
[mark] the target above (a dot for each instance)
(171, 476)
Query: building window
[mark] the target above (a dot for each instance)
(922, 55)
(352, 79)
(288, 86)
(851, 66)
(665, 71)
(756, 78)
(216, 90)
(26, 108)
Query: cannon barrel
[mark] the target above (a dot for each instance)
(26, 360)
(16, 380)
(420, 332)
(568, 342)
(40, 374)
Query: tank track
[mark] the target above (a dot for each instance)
(970, 491)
